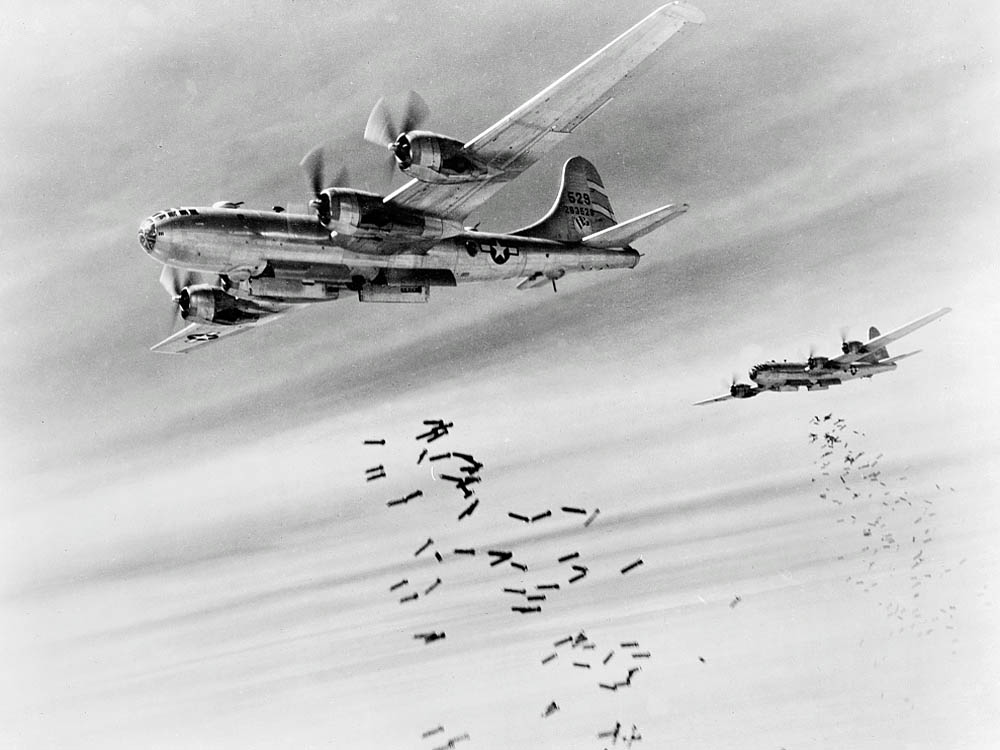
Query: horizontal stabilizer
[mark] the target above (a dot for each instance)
(621, 235)
(894, 360)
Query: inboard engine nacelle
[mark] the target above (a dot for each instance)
(210, 304)
(363, 214)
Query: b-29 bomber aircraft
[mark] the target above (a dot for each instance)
(859, 360)
(229, 269)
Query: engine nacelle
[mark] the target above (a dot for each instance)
(210, 304)
(853, 347)
(435, 158)
(363, 214)
(816, 363)
(742, 390)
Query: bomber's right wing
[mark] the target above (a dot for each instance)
(881, 342)
(521, 138)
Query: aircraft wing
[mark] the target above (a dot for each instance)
(521, 138)
(199, 334)
(713, 400)
(882, 341)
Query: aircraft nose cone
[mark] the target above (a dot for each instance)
(147, 236)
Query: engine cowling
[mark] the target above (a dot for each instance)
(363, 214)
(210, 304)
(815, 363)
(742, 390)
(853, 347)
(435, 158)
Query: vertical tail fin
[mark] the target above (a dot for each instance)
(582, 207)
(882, 353)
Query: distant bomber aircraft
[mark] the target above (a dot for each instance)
(229, 269)
(859, 360)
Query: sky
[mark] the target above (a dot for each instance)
(191, 555)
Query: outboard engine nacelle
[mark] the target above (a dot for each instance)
(435, 158)
(742, 390)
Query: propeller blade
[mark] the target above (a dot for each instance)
(843, 334)
(172, 280)
(342, 179)
(380, 129)
(388, 172)
(175, 279)
(415, 113)
(175, 316)
(312, 163)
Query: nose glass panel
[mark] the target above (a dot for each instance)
(147, 235)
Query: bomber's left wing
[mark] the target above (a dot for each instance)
(199, 334)
(521, 138)
(713, 400)
(873, 347)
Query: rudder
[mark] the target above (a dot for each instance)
(882, 353)
(581, 208)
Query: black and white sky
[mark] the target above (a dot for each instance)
(191, 556)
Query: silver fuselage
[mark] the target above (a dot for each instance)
(242, 244)
(790, 376)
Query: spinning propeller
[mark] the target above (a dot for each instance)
(382, 131)
(176, 281)
(313, 164)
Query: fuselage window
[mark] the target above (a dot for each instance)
(183, 212)
(171, 213)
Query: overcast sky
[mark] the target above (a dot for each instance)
(191, 554)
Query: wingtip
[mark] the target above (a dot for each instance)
(684, 12)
